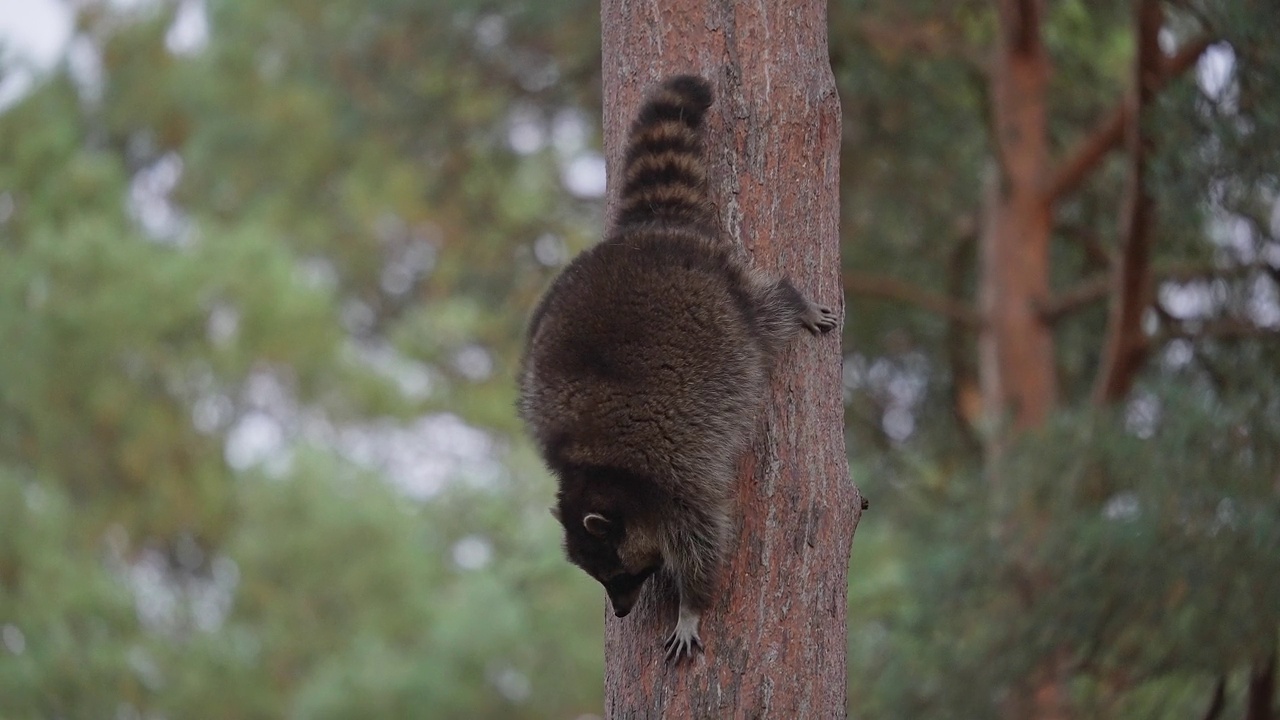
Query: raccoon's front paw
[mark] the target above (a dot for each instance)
(819, 319)
(684, 637)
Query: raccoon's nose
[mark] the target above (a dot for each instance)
(621, 612)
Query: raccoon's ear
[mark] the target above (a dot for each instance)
(596, 524)
(555, 512)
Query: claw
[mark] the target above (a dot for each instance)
(820, 319)
(684, 637)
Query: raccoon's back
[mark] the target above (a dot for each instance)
(641, 356)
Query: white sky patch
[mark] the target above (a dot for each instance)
(36, 34)
(254, 440)
(569, 132)
(1142, 415)
(411, 377)
(1178, 354)
(1186, 301)
(526, 133)
(513, 684)
(36, 31)
(1274, 224)
(12, 638)
(410, 253)
(223, 325)
(319, 273)
(149, 202)
(33, 36)
(169, 601)
(189, 33)
(491, 31)
(129, 5)
(550, 250)
(896, 385)
(584, 175)
(1233, 234)
(421, 458)
(211, 413)
(1123, 506)
(474, 363)
(1264, 302)
(472, 552)
(84, 61)
(1215, 69)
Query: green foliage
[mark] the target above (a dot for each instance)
(222, 269)
(69, 634)
(1118, 542)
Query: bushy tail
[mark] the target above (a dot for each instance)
(664, 176)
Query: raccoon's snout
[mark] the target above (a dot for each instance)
(622, 605)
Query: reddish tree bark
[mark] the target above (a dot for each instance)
(1016, 345)
(775, 636)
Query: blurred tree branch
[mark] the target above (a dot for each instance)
(1097, 287)
(933, 36)
(1218, 699)
(1223, 329)
(1126, 346)
(887, 288)
(1262, 690)
(1108, 134)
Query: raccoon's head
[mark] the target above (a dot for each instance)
(611, 547)
(603, 547)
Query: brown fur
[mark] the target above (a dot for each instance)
(646, 368)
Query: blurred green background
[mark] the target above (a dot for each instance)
(264, 268)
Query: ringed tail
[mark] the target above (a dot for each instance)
(664, 175)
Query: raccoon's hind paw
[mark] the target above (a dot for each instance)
(684, 637)
(819, 319)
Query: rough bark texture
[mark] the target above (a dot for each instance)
(775, 635)
(1016, 346)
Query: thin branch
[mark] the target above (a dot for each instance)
(1097, 255)
(1086, 292)
(1227, 329)
(966, 395)
(928, 36)
(1262, 689)
(1022, 23)
(887, 288)
(1218, 700)
(1126, 347)
(1108, 134)
(1097, 287)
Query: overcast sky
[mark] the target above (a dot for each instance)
(36, 30)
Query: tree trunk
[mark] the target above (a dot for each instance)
(775, 636)
(1016, 345)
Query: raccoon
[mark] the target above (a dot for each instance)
(645, 371)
